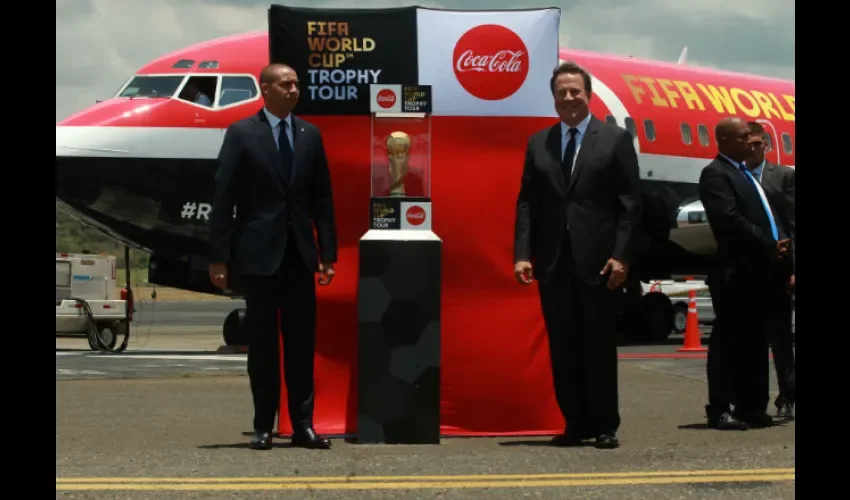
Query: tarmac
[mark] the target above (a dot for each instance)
(168, 418)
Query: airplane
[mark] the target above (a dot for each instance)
(140, 165)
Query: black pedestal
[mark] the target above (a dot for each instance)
(399, 337)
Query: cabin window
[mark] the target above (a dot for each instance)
(183, 64)
(630, 126)
(649, 130)
(152, 86)
(702, 133)
(208, 65)
(236, 89)
(199, 89)
(786, 143)
(768, 142)
(611, 120)
(687, 137)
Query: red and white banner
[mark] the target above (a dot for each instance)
(489, 73)
(488, 63)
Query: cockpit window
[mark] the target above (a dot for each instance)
(236, 89)
(200, 89)
(183, 64)
(152, 86)
(208, 65)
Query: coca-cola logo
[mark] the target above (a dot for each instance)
(491, 62)
(386, 98)
(415, 215)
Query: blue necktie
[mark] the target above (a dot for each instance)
(763, 201)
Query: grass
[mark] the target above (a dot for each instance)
(142, 290)
(164, 293)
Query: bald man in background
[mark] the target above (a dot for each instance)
(751, 243)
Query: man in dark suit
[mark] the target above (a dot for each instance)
(273, 169)
(750, 245)
(577, 213)
(779, 185)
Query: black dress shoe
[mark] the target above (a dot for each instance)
(726, 422)
(567, 439)
(261, 441)
(607, 441)
(307, 438)
(785, 411)
(784, 408)
(575, 437)
(757, 419)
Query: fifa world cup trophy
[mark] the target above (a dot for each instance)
(398, 150)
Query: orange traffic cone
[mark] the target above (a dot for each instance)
(692, 333)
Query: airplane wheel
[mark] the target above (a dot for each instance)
(658, 314)
(234, 328)
(680, 317)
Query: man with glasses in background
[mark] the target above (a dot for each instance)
(778, 182)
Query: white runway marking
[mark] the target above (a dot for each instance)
(179, 357)
(77, 373)
(182, 357)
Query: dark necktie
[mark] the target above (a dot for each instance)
(569, 154)
(285, 150)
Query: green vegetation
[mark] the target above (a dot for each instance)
(75, 237)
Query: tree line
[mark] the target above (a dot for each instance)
(73, 236)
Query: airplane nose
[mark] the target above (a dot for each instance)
(94, 181)
(88, 141)
(115, 112)
(134, 180)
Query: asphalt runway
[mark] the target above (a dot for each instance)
(211, 314)
(184, 339)
(176, 412)
(189, 313)
(184, 436)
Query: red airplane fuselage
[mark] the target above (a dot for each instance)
(133, 163)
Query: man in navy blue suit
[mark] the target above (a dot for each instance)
(273, 170)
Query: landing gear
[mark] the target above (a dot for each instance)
(657, 316)
(234, 328)
(647, 318)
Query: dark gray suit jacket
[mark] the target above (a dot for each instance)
(740, 225)
(250, 177)
(602, 201)
(779, 184)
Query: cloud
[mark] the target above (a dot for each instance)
(101, 43)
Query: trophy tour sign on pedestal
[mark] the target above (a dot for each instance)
(399, 277)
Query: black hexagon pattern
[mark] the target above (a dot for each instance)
(399, 342)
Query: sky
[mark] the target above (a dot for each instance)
(101, 43)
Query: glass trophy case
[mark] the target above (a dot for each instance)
(400, 157)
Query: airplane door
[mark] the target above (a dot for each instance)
(772, 154)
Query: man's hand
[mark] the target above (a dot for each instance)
(326, 273)
(523, 272)
(791, 283)
(782, 248)
(617, 273)
(218, 275)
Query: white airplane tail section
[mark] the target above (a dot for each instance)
(683, 57)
